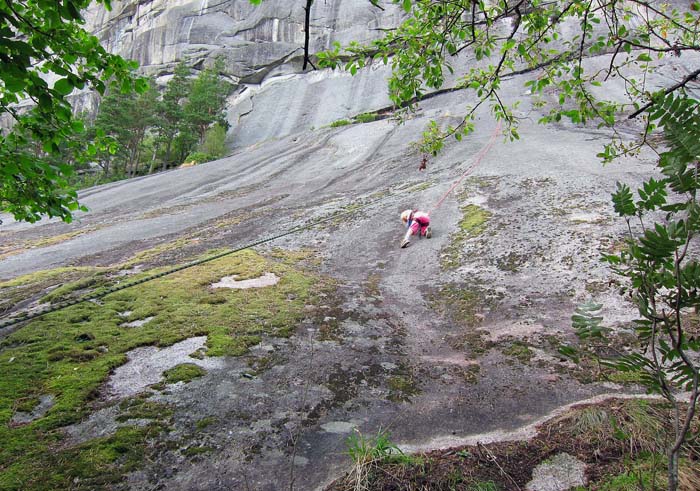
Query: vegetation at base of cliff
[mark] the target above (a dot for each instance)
(472, 224)
(620, 441)
(69, 354)
(183, 123)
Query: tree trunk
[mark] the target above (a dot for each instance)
(307, 21)
(168, 150)
(152, 167)
(673, 470)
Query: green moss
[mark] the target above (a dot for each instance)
(421, 186)
(34, 285)
(365, 117)
(520, 351)
(472, 224)
(91, 280)
(511, 262)
(45, 276)
(340, 122)
(205, 422)
(462, 306)
(402, 388)
(294, 257)
(70, 353)
(141, 408)
(471, 374)
(473, 220)
(27, 404)
(372, 285)
(648, 472)
(625, 377)
(184, 372)
(463, 303)
(96, 464)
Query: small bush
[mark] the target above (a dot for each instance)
(198, 158)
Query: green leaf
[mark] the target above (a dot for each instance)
(63, 86)
(623, 201)
(587, 323)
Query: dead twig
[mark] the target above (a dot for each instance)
(492, 458)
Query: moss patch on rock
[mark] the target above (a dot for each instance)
(68, 354)
(462, 305)
(520, 351)
(402, 387)
(472, 224)
(184, 372)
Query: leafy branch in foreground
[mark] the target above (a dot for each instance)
(662, 274)
(45, 56)
(476, 45)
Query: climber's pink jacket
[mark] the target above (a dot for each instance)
(419, 221)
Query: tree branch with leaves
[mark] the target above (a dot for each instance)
(46, 55)
(547, 40)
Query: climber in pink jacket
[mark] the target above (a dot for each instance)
(417, 223)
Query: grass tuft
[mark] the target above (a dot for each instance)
(184, 372)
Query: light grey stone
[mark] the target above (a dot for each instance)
(560, 473)
(338, 426)
(46, 402)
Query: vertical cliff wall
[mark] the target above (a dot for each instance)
(262, 47)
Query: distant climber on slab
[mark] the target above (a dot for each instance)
(418, 223)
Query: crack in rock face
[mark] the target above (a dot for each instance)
(146, 366)
(268, 279)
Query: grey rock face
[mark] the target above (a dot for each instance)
(262, 48)
(158, 33)
(548, 197)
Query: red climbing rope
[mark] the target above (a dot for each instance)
(477, 160)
